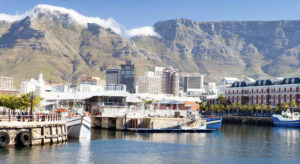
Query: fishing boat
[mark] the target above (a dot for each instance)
(213, 122)
(77, 121)
(287, 119)
(78, 126)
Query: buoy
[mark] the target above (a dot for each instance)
(4, 139)
(24, 138)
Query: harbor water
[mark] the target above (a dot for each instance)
(233, 144)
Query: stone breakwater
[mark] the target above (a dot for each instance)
(32, 133)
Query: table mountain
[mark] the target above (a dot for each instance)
(258, 49)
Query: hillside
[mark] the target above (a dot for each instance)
(258, 49)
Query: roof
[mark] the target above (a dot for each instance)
(166, 101)
(267, 82)
(133, 99)
(83, 96)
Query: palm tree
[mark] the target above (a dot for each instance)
(227, 108)
(244, 108)
(257, 108)
(250, 109)
(233, 107)
(269, 109)
(293, 104)
(239, 107)
(217, 108)
(212, 108)
(276, 109)
(221, 99)
(263, 108)
(284, 106)
(202, 106)
(222, 108)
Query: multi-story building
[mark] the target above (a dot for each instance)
(193, 83)
(7, 85)
(112, 77)
(93, 81)
(128, 76)
(268, 92)
(158, 71)
(170, 81)
(149, 83)
(225, 83)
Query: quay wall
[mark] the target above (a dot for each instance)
(121, 123)
(261, 121)
(39, 133)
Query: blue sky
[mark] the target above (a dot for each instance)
(137, 13)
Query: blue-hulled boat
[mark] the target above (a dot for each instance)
(213, 123)
(287, 119)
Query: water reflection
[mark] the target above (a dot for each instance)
(233, 144)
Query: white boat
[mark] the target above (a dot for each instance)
(78, 127)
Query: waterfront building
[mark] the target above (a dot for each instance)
(150, 83)
(33, 85)
(128, 76)
(193, 83)
(120, 87)
(268, 91)
(112, 77)
(226, 82)
(170, 81)
(7, 85)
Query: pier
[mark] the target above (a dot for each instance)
(27, 130)
(125, 123)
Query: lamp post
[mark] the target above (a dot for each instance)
(31, 106)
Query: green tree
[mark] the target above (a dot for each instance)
(228, 108)
(217, 108)
(221, 99)
(269, 109)
(250, 109)
(293, 104)
(277, 109)
(239, 107)
(212, 108)
(257, 107)
(233, 107)
(284, 106)
(222, 108)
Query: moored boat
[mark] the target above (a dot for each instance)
(78, 126)
(287, 119)
(213, 122)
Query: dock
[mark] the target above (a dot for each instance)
(28, 131)
(261, 121)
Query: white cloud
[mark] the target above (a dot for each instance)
(144, 31)
(80, 19)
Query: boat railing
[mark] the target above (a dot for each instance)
(31, 118)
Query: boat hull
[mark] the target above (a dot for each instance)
(78, 127)
(279, 121)
(213, 123)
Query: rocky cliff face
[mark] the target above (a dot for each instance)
(255, 48)
(64, 50)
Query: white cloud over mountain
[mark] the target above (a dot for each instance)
(80, 19)
(146, 31)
